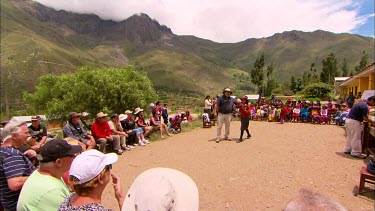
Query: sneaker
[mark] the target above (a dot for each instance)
(359, 156)
(347, 152)
(131, 147)
(140, 143)
(217, 140)
(127, 148)
(228, 138)
(248, 137)
(134, 145)
(123, 147)
(145, 141)
(239, 140)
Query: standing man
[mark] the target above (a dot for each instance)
(38, 133)
(102, 134)
(357, 114)
(74, 129)
(45, 189)
(223, 111)
(15, 168)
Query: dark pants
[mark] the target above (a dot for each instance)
(131, 139)
(165, 119)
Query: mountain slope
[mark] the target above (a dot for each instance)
(37, 40)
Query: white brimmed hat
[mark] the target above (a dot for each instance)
(100, 115)
(128, 112)
(122, 117)
(162, 189)
(137, 110)
(89, 164)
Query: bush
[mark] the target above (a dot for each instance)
(277, 91)
(92, 90)
(318, 90)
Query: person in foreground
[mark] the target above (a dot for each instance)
(15, 167)
(90, 173)
(357, 114)
(309, 200)
(162, 189)
(45, 190)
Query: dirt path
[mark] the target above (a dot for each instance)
(262, 173)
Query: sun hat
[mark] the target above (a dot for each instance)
(89, 164)
(34, 118)
(74, 114)
(227, 90)
(162, 189)
(128, 112)
(137, 110)
(122, 117)
(56, 149)
(100, 115)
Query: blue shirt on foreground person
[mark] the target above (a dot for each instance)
(358, 111)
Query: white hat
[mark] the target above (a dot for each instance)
(89, 164)
(100, 115)
(162, 189)
(128, 112)
(137, 110)
(122, 117)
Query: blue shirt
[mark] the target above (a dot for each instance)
(12, 164)
(225, 104)
(358, 112)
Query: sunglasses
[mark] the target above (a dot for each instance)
(108, 167)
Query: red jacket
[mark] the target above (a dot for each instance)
(100, 130)
(244, 110)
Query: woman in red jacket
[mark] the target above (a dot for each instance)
(284, 111)
(245, 117)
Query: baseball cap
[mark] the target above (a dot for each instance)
(89, 164)
(33, 118)
(56, 149)
(162, 189)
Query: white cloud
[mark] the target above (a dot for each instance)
(229, 21)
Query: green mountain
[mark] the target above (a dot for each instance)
(37, 40)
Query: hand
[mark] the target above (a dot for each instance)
(36, 147)
(119, 194)
(109, 138)
(30, 153)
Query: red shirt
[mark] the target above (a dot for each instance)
(244, 110)
(100, 130)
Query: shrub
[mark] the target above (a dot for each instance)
(318, 90)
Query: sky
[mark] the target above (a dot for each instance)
(236, 20)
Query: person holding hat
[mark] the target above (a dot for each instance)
(15, 167)
(90, 173)
(162, 189)
(38, 133)
(356, 116)
(223, 111)
(45, 189)
(102, 134)
(74, 129)
(245, 117)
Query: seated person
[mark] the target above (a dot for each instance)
(324, 115)
(272, 114)
(206, 119)
(118, 131)
(139, 120)
(175, 126)
(188, 116)
(295, 115)
(74, 129)
(305, 112)
(130, 125)
(102, 134)
(158, 125)
(315, 113)
(38, 133)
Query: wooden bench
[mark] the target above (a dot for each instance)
(365, 177)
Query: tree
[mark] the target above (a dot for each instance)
(257, 75)
(345, 68)
(363, 63)
(271, 84)
(329, 70)
(295, 84)
(92, 90)
(310, 76)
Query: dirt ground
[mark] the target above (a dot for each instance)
(262, 173)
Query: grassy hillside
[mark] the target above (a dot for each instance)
(36, 40)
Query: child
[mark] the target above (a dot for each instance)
(245, 117)
(305, 112)
(175, 126)
(283, 113)
(324, 115)
(295, 114)
(271, 114)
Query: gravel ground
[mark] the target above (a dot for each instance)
(262, 173)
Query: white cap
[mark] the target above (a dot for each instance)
(89, 164)
(162, 189)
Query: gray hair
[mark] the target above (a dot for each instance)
(10, 128)
(309, 200)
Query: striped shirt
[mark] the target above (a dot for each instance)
(12, 164)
